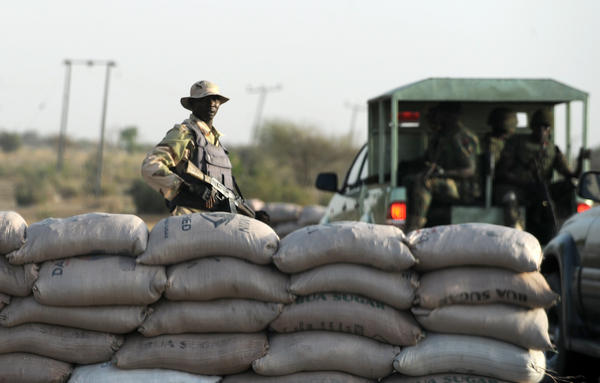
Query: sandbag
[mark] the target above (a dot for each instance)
(17, 280)
(209, 354)
(326, 351)
(394, 289)
(523, 327)
(311, 215)
(4, 300)
(92, 233)
(98, 280)
(12, 231)
(220, 316)
(282, 211)
(62, 343)
(471, 355)
(113, 319)
(108, 373)
(285, 228)
(180, 238)
(479, 285)
(442, 378)
(29, 368)
(300, 377)
(349, 313)
(379, 246)
(224, 277)
(475, 244)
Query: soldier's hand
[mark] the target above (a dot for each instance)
(584, 154)
(263, 216)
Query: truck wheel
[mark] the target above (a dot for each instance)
(556, 360)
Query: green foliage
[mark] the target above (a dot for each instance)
(128, 138)
(146, 200)
(285, 163)
(10, 142)
(35, 186)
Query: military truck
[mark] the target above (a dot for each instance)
(572, 267)
(372, 189)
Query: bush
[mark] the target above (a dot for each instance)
(10, 142)
(30, 192)
(146, 199)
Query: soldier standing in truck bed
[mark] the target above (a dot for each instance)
(450, 174)
(525, 163)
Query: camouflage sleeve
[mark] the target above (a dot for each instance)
(156, 167)
(561, 165)
(469, 149)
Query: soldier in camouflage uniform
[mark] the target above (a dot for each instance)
(195, 140)
(528, 160)
(451, 158)
(503, 122)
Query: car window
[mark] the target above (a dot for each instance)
(364, 173)
(355, 170)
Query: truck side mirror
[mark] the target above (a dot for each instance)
(327, 182)
(589, 186)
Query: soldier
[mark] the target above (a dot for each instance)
(503, 122)
(526, 167)
(197, 142)
(451, 159)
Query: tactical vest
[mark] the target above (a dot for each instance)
(213, 161)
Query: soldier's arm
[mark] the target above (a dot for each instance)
(467, 158)
(561, 165)
(156, 167)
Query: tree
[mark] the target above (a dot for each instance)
(128, 138)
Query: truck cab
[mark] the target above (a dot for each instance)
(373, 189)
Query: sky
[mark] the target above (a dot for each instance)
(324, 57)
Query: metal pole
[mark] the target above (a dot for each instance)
(98, 188)
(262, 91)
(568, 131)
(64, 116)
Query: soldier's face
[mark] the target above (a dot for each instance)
(206, 108)
(541, 133)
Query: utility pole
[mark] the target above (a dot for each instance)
(63, 116)
(262, 95)
(98, 189)
(355, 109)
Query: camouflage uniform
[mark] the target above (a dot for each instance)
(516, 174)
(179, 144)
(449, 150)
(525, 162)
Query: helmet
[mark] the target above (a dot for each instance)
(542, 117)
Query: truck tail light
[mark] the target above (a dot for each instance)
(397, 211)
(408, 116)
(582, 206)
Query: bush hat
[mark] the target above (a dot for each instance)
(202, 89)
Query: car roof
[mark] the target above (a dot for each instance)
(486, 90)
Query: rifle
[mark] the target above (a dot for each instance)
(236, 203)
(547, 202)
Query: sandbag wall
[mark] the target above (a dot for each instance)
(288, 217)
(215, 294)
(481, 298)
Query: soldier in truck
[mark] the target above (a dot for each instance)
(451, 172)
(525, 170)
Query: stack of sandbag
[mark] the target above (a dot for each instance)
(482, 298)
(222, 293)
(88, 292)
(350, 314)
(284, 216)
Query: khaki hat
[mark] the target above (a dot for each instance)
(202, 89)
